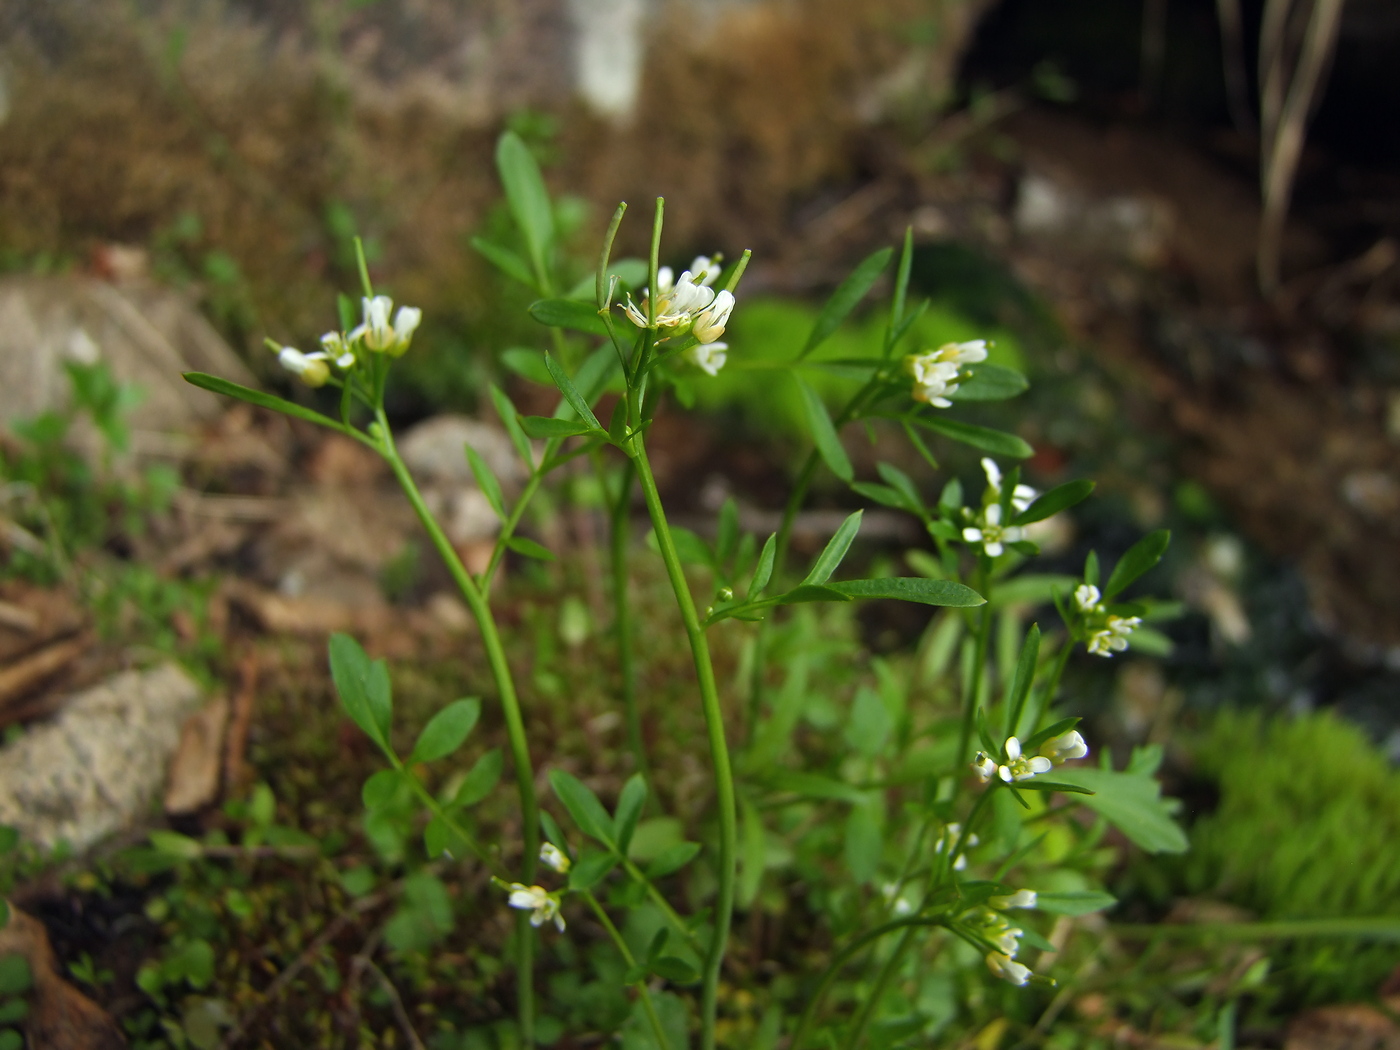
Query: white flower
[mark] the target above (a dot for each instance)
(1022, 496)
(1008, 969)
(706, 268)
(708, 357)
(377, 333)
(1065, 747)
(679, 300)
(556, 858)
(1008, 939)
(1112, 637)
(1019, 899)
(709, 322)
(1018, 767)
(985, 765)
(311, 369)
(337, 349)
(991, 534)
(538, 900)
(1087, 596)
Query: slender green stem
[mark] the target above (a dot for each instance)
(620, 538)
(842, 957)
(657, 898)
(435, 808)
(719, 749)
(882, 981)
(974, 691)
(510, 706)
(631, 961)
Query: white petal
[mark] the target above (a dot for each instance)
(994, 550)
(972, 535)
(1040, 765)
(993, 472)
(994, 514)
(1013, 748)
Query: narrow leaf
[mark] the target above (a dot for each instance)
(1057, 499)
(446, 731)
(809, 592)
(764, 572)
(529, 548)
(505, 260)
(588, 813)
(480, 779)
(591, 868)
(997, 442)
(1075, 902)
(505, 409)
(672, 859)
(350, 670)
(1141, 556)
(989, 383)
(570, 392)
(850, 292)
(574, 314)
(257, 397)
(527, 196)
(913, 589)
(824, 435)
(629, 810)
(830, 558)
(550, 427)
(1021, 680)
(486, 481)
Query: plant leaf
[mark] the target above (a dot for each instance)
(829, 560)
(1075, 902)
(1057, 499)
(824, 435)
(446, 731)
(913, 589)
(553, 427)
(810, 592)
(588, 813)
(591, 868)
(570, 392)
(256, 397)
(847, 295)
(480, 779)
(764, 572)
(505, 260)
(629, 811)
(510, 419)
(672, 859)
(575, 314)
(997, 442)
(529, 548)
(351, 670)
(987, 382)
(1140, 557)
(527, 197)
(486, 481)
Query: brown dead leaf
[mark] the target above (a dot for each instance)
(1346, 1026)
(194, 771)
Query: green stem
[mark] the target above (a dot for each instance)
(974, 691)
(842, 957)
(620, 530)
(631, 962)
(510, 705)
(876, 993)
(719, 748)
(657, 898)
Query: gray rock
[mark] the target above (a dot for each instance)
(95, 769)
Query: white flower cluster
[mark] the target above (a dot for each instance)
(1007, 938)
(1108, 633)
(689, 303)
(936, 372)
(987, 528)
(377, 333)
(1063, 748)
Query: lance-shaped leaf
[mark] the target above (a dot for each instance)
(363, 687)
(257, 397)
(913, 589)
(764, 572)
(552, 427)
(824, 434)
(486, 481)
(850, 292)
(591, 868)
(1061, 497)
(480, 779)
(672, 859)
(446, 731)
(989, 383)
(527, 197)
(808, 592)
(505, 409)
(570, 392)
(529, 548)
(997, 442)
(574, 314)
(506, 261)
(1021, 681)
(1133, 803)
(1140, 557)
(831, 556)
(1075, 902)
(629, 811)
(588, 813)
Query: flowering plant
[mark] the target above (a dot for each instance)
(950, 861)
